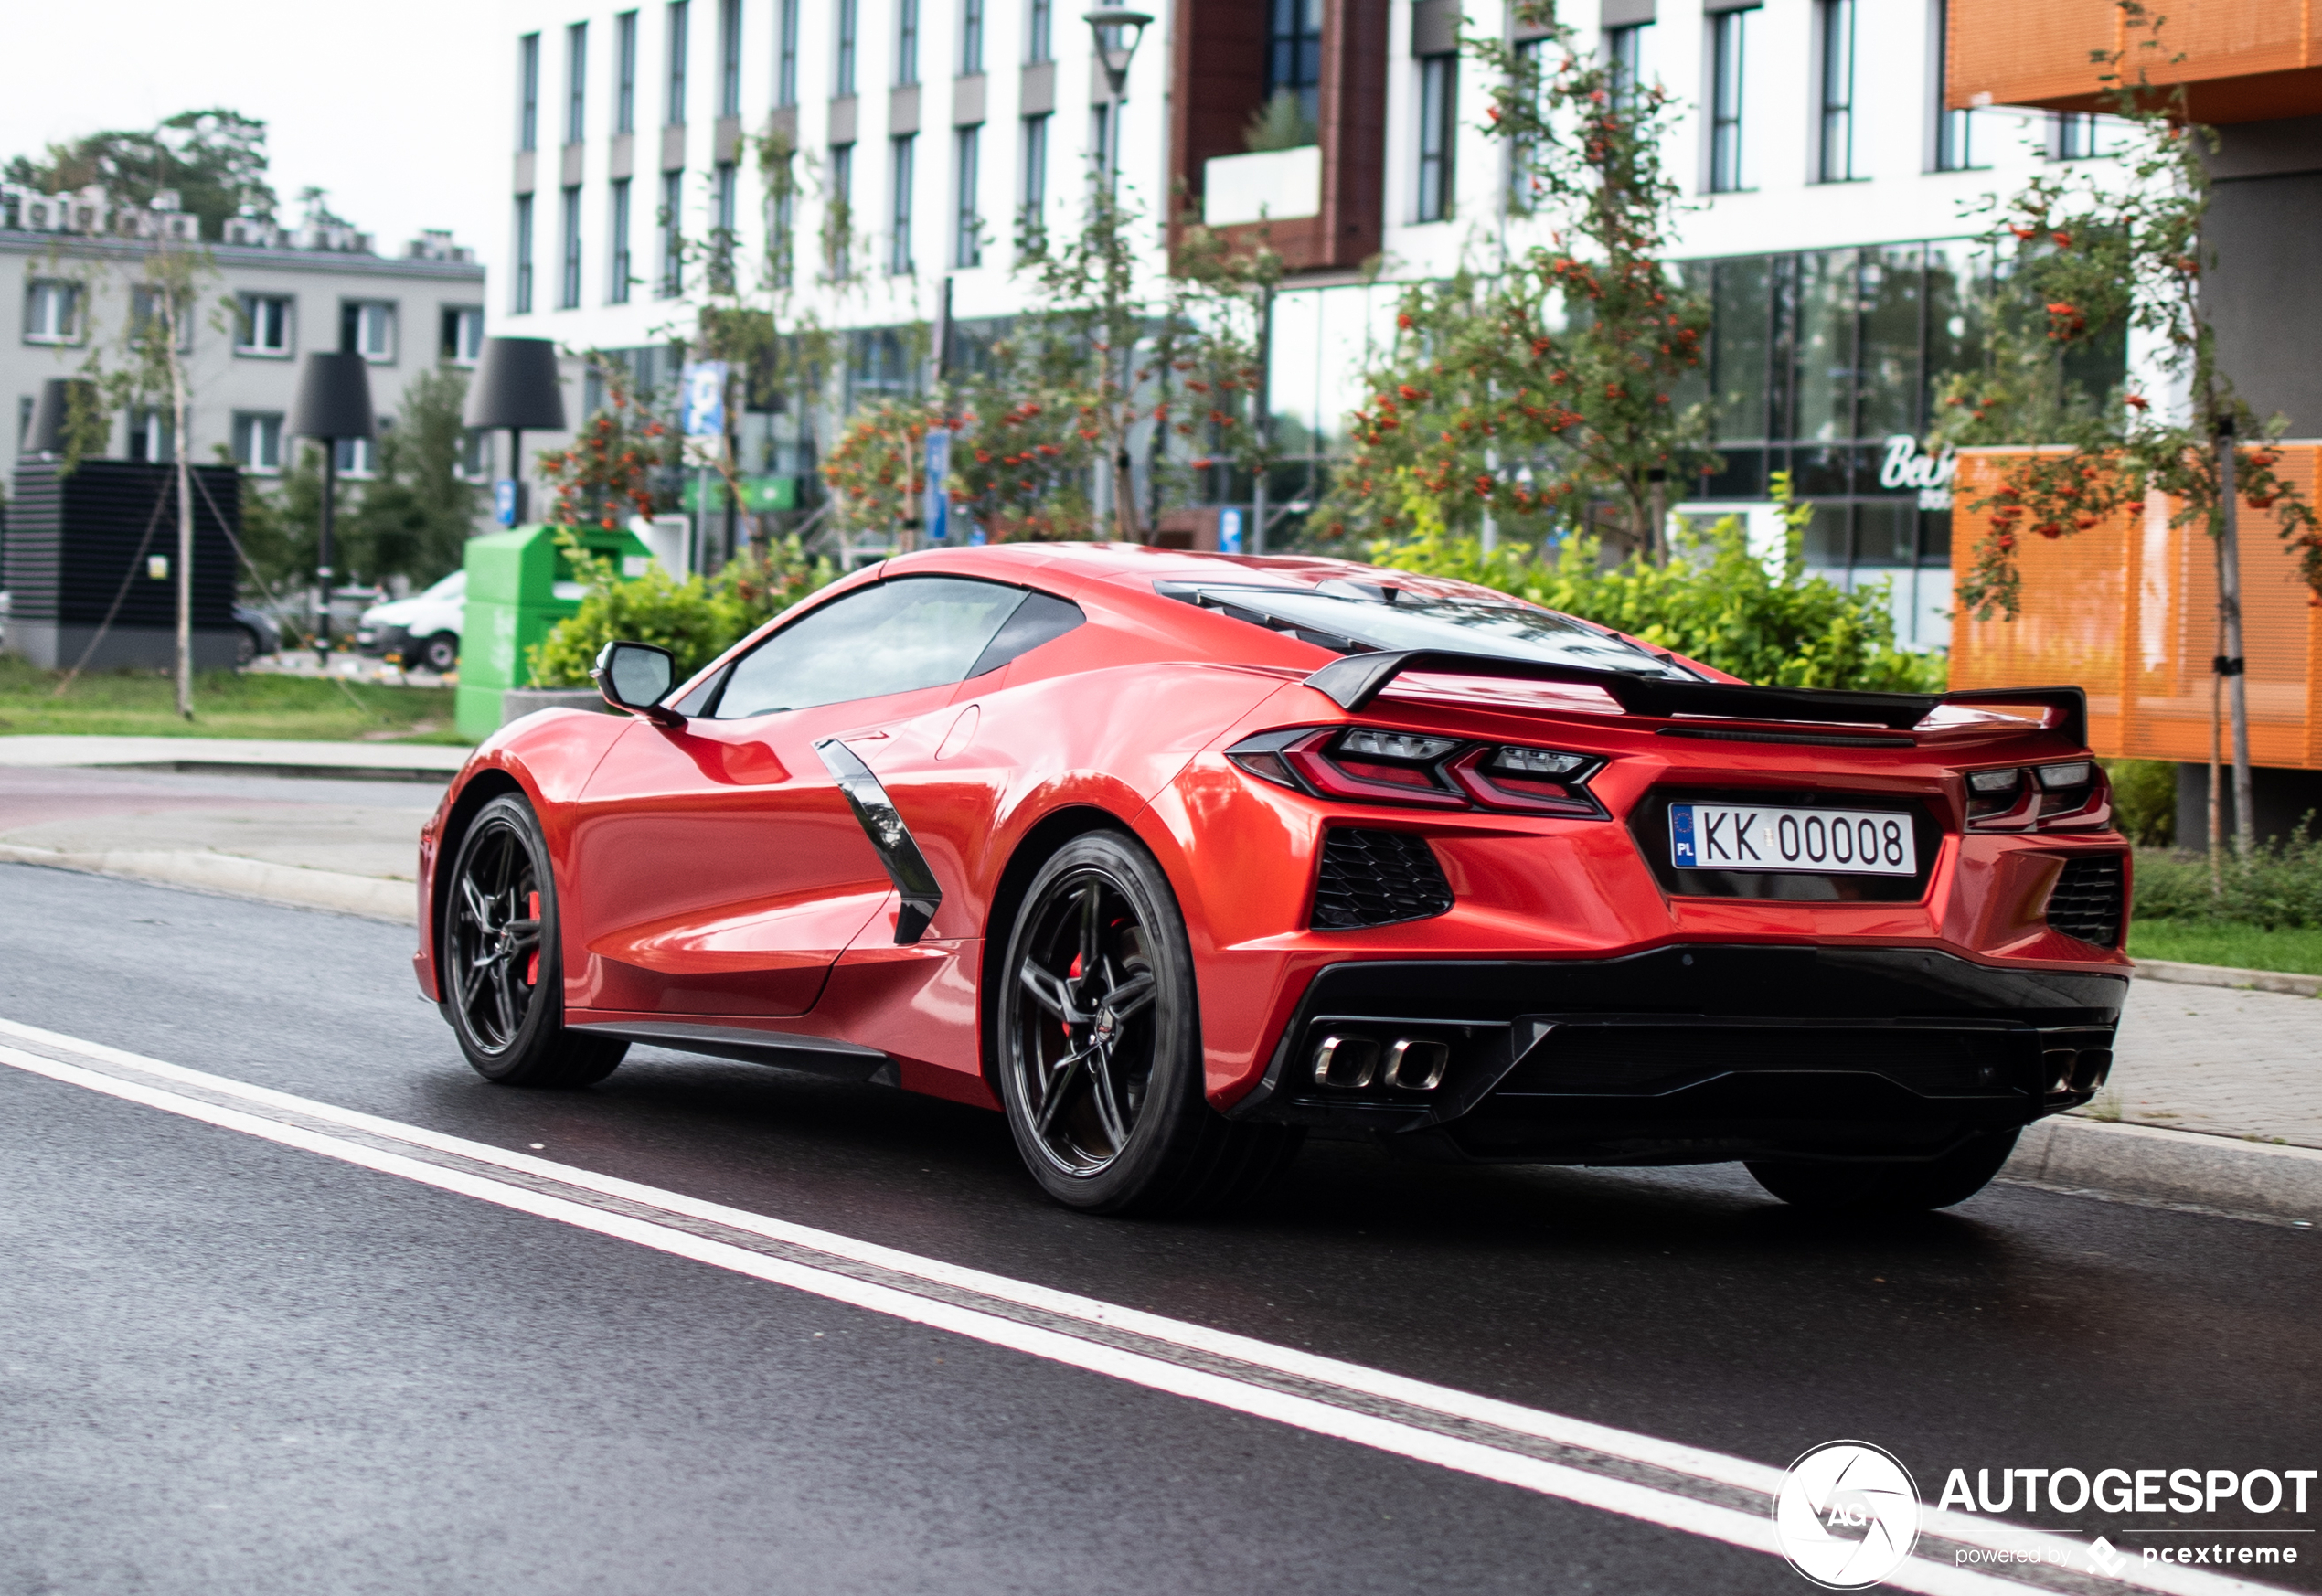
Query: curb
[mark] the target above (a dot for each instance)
(372, 897)
(2147, 1164)
(2226, 976)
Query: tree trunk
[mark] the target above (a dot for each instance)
(180, 406)
(2229, 611)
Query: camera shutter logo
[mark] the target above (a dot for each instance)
(1846, 1515)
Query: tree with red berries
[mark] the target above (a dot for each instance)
(1542, 397)
(2092, 253)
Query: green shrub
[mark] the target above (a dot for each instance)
(694, 620)
(2279, 886)
(1716, 601)
(2145, 800)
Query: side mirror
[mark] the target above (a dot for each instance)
(636, 676)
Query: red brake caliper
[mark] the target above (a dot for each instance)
(532, 971)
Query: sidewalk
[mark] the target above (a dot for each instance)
(2216, 1093)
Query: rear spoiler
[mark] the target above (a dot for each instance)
(1353, 682)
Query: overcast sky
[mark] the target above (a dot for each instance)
(394, 110)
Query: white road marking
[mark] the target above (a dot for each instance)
(273, 1116)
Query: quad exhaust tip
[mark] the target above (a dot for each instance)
(1352, 1063)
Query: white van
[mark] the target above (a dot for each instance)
(422, 631)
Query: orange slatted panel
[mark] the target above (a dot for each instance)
(2128, 611)
(2036, 52)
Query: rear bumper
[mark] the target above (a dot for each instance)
(1700, 1052)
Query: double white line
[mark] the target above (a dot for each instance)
(1658, 1481)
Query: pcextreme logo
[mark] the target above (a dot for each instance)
(1846, 1515)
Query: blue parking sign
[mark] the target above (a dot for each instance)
(504, 501)
(936, 515)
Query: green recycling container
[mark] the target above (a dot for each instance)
(520, 583)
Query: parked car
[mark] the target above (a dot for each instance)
(422, 632)
(256, 634)
(1173, 857)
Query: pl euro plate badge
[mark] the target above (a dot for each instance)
(1827, 842)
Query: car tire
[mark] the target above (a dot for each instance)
(441, 652)
(248, 646)
(1888, 1187)
(501, 970)
(1107, 1106)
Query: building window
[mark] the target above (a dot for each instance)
(149, 312)
(263, 325)
(1727, 38)
(899, 161)
(152, 437)
(967, 248)
(1624, 58)
(724, 188)
(475, 454)
(1438, 134)
(906, 42)
(617, 220)
(971, 37)
(673, 236)
(782, 226)
(367, 327)
(521, 300)
(849, 20)
(258, 441)
(462, 334)
(2075, 135)
(1834, 160)
(1293, 55)
(51, 312)
(1032, 210)
(357, 457)
(624, 72)
(527, 100)
(838, 231)
(787, 54)
(1039, 21)
(576, 83)
(569, 278)
(729, 58)
(673, 114)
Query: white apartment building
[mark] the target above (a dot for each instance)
(72, 265)
(1825, 216)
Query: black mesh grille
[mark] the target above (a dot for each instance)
(2086, 903)
(1376, 877)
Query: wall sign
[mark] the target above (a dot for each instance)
(1906, 466)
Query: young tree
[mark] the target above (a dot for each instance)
(2094, 251)
(1542, 397)
(416, 516)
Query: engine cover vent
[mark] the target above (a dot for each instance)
(2086, 902)
(1376, 877)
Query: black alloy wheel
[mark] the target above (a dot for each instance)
(1100, 1045)
(247, 646)
(440, 654)
(499, 965)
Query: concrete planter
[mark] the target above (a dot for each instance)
(518, 702)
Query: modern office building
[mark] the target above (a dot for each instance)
(1829, 213)
(74, 264)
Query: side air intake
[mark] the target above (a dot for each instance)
(1376, 877)
(2086, 902)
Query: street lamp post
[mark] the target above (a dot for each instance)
(1116, 32)
(332, 404)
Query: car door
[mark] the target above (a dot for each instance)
(717, 866)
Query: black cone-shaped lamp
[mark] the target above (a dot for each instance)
(516, 387)
(332, 403)
(51, 428)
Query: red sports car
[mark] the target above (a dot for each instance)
(1173, 857)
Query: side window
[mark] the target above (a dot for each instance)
(892, 637)
(1038, 619)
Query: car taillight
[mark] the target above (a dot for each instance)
(1368, 765)
(2068, 793)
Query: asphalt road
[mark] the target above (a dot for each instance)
(228, 1365)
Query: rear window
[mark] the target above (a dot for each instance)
(1509, 631)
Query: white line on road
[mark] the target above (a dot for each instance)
(1685, 1488)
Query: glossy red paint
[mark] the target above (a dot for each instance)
(714, 872)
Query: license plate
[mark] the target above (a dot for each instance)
(1827, 842)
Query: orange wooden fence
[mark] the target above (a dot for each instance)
(2127, 609)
